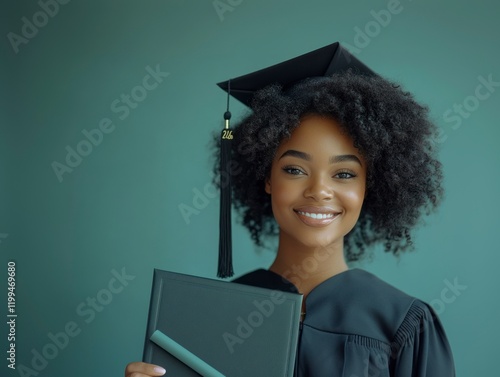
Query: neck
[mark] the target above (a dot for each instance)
(308, 266)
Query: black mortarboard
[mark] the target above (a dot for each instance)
(322, 62)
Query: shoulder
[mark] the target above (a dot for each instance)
(359, 303)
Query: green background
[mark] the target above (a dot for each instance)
(119, 209)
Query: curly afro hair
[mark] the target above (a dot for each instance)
(390, 129)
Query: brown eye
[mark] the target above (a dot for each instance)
(345, 175)
(292, 170)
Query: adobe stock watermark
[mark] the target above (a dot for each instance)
(31, 26)
(379, 365)
(121, 106)
(245, 327)
(264, 309)
(201, 197)
(372, 29)
(296, 274)
(463, 110)
(86, 311)
(448, 295)
(223, 6)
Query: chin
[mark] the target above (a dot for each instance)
(322, 242)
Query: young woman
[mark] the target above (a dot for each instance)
(332, 166)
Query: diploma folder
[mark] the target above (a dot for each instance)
(206, 327)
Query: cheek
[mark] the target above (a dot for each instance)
(354, 199)
(282, 194)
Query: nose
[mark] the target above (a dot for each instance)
(319, 188)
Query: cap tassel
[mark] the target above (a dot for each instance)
(225, 265)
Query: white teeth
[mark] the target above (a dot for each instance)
(317, 215)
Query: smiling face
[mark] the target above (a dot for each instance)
(317, 184)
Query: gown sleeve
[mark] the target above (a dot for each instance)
(420, 348)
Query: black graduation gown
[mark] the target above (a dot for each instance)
(356, 325)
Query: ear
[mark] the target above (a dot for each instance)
(268, 186)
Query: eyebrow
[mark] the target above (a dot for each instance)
(298, 154)
(345, 157)
(332, 160)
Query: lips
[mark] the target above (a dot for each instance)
(317, 216)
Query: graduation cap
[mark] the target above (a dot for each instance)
(322, 62)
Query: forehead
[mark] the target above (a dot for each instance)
(318, 133)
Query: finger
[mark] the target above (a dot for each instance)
(140, 369)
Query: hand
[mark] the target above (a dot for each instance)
(138, 369)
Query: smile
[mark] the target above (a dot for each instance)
(317, 215)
